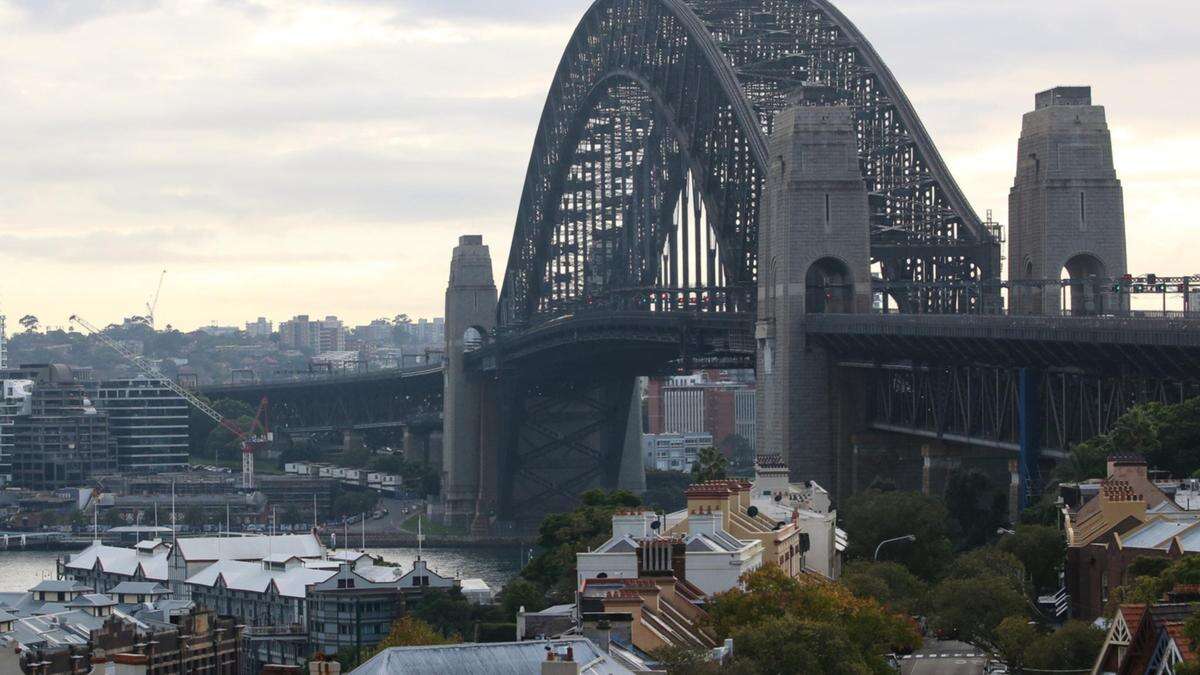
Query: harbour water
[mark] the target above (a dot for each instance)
(21, 570)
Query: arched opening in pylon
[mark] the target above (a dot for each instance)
(1084, 276)
(829, 288)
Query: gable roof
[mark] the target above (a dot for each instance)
(122, 561)
(211, 549)
(252, 576)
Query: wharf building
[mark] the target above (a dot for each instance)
(293, 596)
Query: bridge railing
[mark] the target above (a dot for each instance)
(704, 300)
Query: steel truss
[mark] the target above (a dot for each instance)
(979, 405)
(344, 404)
(568, 437)
(648, 166)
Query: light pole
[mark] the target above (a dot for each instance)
(908, 537)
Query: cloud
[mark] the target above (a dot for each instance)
(284, 156)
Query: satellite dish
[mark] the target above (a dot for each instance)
(752, 511)
(656, 524)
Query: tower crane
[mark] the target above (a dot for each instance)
(152, 306)
(256, 436)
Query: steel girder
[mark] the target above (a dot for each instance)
(344, 404)
(978, 405)
(650, 92)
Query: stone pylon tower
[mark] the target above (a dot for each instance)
(469, 422)
(814, 257)
(1066, 208)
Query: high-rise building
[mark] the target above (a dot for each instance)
(3, 342)
(719, 403)
(148, 421)
(259, 330)
(327, 335)
(298, 333)
(17, 400)
(331, 336)
(63, 440)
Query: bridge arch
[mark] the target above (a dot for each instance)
(703, 79)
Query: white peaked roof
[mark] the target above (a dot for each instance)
(207, 549)
(253, 577)
(123, 561)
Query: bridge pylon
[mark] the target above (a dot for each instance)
(814, 258)
(470, 420)
(1066, 208)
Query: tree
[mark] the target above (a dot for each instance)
(1167, 435)
(976, 508)
(562, 535)
(1014, 636)
(665, 490)
(971, 609)
(409, 631)
(1074, 646)
(520, 593)
(871, 517)
(741, 451)
(1041, 549)
(784, 625)
(29, 322)
(709, 465)
(989, 561)
(888, 583)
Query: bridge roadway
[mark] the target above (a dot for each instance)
(1162, 347)
(1166, 346)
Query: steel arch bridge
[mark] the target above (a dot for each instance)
(645, 181)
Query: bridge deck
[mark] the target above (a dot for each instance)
(1167, 347)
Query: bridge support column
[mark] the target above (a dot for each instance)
(940, 462)
(1066, 208)
(814, 257)
(469, 402)
(632, 476)
(1030, 416)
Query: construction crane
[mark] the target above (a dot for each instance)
(152, 305)
(256, 436)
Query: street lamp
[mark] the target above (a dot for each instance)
(908, 537)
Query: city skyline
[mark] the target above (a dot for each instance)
(281, 158)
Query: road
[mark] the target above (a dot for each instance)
(948, 657)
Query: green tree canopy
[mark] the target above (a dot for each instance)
(871, 517)
(1074, 646)
(562, 535)
(783, 625)
(888, 583)
(709, 465)
(971, 609)
(1041, 549)
(976, 507)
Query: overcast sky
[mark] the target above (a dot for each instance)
(304, 156)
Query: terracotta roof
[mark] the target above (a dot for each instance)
(1133, 616)
(1182, 643)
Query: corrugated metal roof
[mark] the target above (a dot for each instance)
(505, 658)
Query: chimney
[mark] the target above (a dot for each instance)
(634, 524)
(704, 521)
(560, 664)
